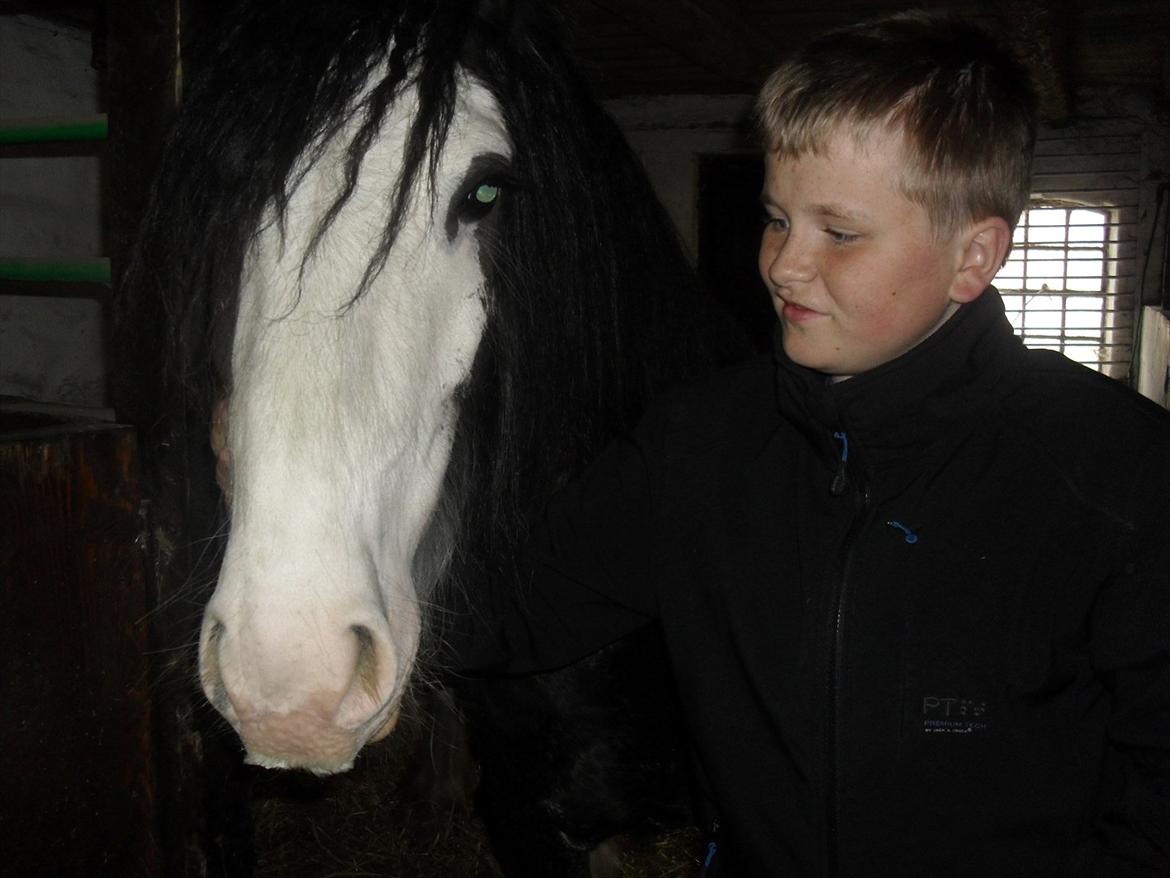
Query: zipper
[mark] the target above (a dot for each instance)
(841, 476)
(710, 865)
(861, 520)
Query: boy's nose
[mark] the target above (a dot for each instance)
(788, 264)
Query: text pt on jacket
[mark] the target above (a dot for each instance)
(956, 716)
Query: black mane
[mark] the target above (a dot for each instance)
(593, 303)
(589, 289)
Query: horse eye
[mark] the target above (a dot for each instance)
(483, 187)
(486, 193)
(479, 201)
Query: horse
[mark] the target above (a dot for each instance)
(429, 279)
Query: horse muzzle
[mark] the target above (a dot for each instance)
(313, 706)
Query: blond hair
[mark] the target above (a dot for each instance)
(963, 103)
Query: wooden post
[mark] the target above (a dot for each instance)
(203, 808)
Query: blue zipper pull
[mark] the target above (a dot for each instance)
(712, 848)
(841, 477)
(907, 534)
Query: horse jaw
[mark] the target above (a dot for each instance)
(342, 420)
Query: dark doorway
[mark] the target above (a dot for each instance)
(729, 237)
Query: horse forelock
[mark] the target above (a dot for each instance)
(270, 94)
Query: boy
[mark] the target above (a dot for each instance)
(909, 574)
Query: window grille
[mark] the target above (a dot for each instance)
(1070, 282)
(1059, 284)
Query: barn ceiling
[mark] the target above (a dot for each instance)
(647, 47)
(655, 47)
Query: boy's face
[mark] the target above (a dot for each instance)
(856, 274)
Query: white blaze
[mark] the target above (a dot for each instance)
(342, 418)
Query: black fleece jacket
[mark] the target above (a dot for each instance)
(920, 619)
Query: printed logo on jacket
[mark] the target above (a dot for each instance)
(953, 715)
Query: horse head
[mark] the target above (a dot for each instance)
(430, 279)
(342, 413)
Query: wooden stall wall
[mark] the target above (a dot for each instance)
(76, 755)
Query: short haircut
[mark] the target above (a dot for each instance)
(963, 102)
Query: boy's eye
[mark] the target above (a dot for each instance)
(841, 237)
(778, 223)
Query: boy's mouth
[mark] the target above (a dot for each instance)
(798, 313)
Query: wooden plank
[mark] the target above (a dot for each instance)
(1125, 165)
(1103, 189)
(1089, 146)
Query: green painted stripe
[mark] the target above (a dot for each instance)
(51, 130)
(94, 270)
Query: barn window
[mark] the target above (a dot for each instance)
(1059, 285)
(1072, 283)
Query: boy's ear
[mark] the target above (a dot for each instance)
(984, 248)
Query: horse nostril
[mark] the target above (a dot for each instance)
(367, 660)
(209, 671)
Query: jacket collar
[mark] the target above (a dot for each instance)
(897, 414)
